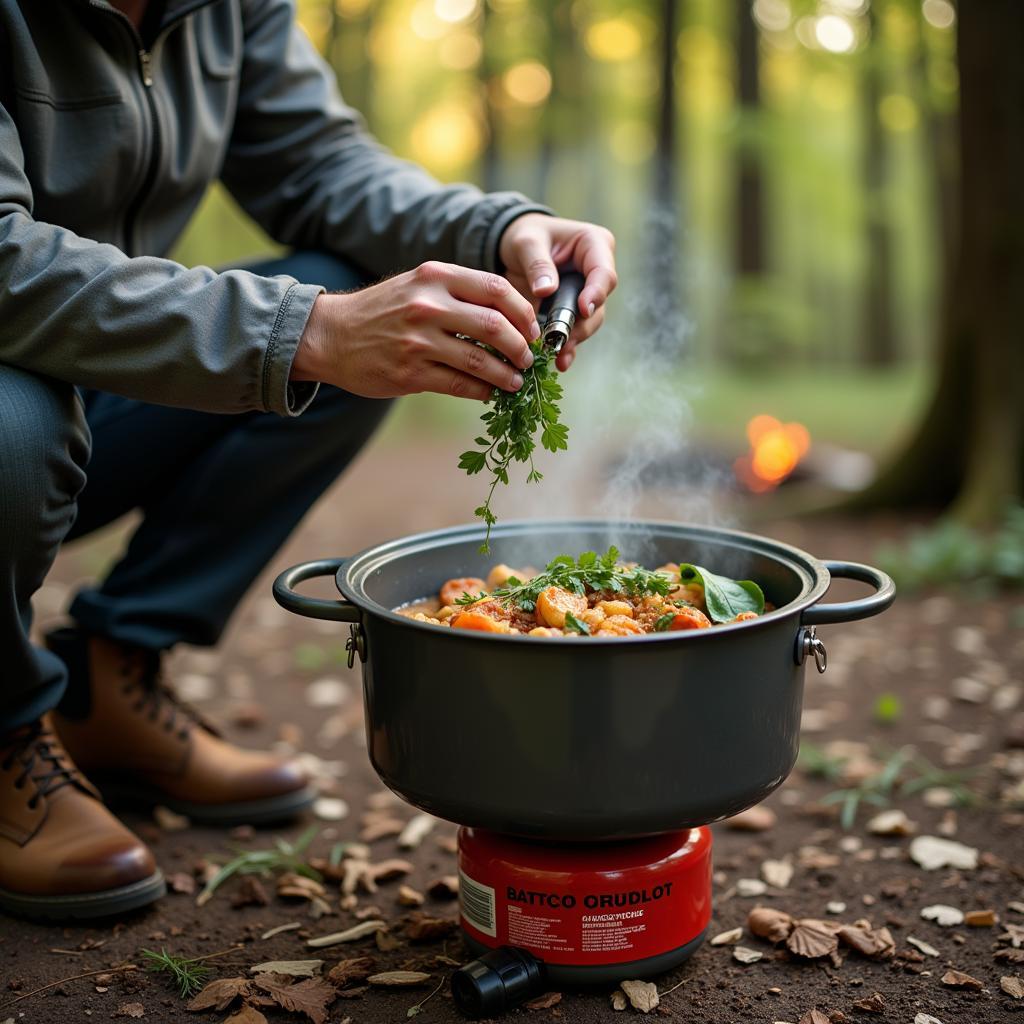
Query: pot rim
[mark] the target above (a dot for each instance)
(353, 572)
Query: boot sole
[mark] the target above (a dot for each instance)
(266, 811)
(81, 906)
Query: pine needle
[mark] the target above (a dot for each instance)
(188, 974)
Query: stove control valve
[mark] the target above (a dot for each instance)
(497, 982)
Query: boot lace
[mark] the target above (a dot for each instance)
(42, 760)
(142, 673)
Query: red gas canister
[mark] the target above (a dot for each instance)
(590, 913)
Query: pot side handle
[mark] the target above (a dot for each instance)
(861, 608)
(313, 607)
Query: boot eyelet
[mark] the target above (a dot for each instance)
(183, 735)
(32, 804)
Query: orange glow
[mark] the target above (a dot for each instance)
(775, 451)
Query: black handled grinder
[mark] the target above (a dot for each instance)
(558, 311)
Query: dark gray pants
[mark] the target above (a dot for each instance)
(219, 495)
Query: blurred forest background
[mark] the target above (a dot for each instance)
(783, 178)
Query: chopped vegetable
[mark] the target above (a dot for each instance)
(725, 598)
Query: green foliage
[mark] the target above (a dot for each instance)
(725, 598)
(511, 423)
(188, 976)
(309, 657)
(587, 573)
(888, 709)
(952, 555)
(571, 622)
(876, 789)
(283, 856)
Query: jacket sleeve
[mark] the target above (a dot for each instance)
(302, 164)
(83, 312)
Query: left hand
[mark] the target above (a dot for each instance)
(534, 244)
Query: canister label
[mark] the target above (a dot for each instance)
(590, 917)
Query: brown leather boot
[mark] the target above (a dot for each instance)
(139, 744)
(62, 853)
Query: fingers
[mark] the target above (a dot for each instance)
(474, 361)
(595, 256)
(490, 291)
(489, 326)
(534, 262)
(583, 330)
(443, 380)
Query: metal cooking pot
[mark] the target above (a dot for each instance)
(583, 739)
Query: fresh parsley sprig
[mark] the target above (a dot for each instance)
(587, 573)
(512, 422)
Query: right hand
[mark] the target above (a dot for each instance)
(398, 337)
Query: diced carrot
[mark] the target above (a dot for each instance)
(689, 618)
(480, 622)
(456, 588)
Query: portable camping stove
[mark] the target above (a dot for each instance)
(544, 915)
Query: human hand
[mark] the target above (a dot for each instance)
(398, 337)
(533, 245)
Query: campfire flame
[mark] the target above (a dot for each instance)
(776, 449)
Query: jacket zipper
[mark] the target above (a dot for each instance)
(131, 217)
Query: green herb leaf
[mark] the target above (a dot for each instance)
(512, 422)
(725, 598)
(661, 624)
(571, 622)
(468, 598)
(587, 573)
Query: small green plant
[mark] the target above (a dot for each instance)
(876, 789)
(953, 555)
(187, 975)
(888, 709)
(284, 856)
(813, 761)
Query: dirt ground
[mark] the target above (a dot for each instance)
(264, 686)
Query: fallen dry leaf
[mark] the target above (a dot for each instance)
(131, 1010)
(181, 882)
(891, 823)
(409, 897)
(924, 947)
(247, 1015)
(220, 994)
(444, 888)
(416, 831)
(1009, 955)
(357, 968)
(766, 923)
(310, 997)
(812, 939)
(169, 821)
(330, 808)
(926, 1018)
(397, 979)
(381, 828)
(293, 886)
(619, 1000)
(932, 853)
(750, 887)
(544, 1002)
(729, 938)
(356, 932)
(386, 942)
(1012, 986)
(384, 871)
(875, 943)
(980, 918)
(365, 913)
(957, 979)
(642, 995)
(250, 893)
(291, 968)
(874, 1003)
(744, 955)
(753, 819)
(815, 1017)
(777, 873)
(942, 915)
(1014, 935)
(423, 928)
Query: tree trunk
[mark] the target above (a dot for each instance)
(749, 183)
(969, 449)
(878, 330)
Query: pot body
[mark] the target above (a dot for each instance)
(588, 739)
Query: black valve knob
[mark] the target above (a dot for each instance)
(497, 982)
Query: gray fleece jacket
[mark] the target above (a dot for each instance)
(107, 144)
